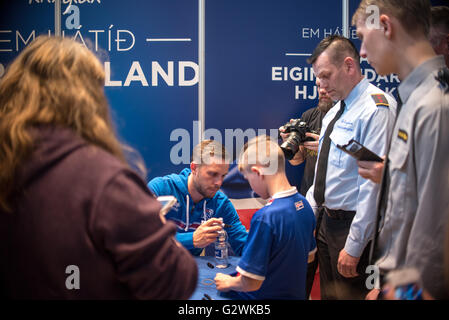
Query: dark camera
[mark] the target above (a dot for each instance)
(297, 129)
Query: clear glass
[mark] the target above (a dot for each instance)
(221, 250)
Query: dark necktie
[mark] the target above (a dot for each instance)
(320, 181)
(384, 188)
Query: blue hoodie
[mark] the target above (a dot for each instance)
(188, 215)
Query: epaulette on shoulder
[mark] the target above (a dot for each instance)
(380, 100)
(443, 78)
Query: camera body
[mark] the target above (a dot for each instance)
(297, 129)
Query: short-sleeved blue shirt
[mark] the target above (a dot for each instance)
(278, 245)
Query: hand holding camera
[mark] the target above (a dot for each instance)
(312, 144)
(297, 133)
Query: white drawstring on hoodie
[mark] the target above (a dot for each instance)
(188, 212)
(204, 211)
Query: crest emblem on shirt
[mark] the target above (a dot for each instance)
(176, 206)
(299, 205)
(209, 213)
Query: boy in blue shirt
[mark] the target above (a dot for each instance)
(274, 259)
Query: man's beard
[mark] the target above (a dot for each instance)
(203, 191)
(324, 105)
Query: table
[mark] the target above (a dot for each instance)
(206, 275)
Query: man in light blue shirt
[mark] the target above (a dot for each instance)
(345, 199)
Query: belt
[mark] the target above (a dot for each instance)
(339, 214)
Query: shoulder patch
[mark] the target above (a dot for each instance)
(402, 134)
(380, 100)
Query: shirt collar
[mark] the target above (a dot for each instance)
(356, 92)
(284, 194)
(418, 75)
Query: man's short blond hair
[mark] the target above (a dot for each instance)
(263, 152)
(208, 149)
(414, 15)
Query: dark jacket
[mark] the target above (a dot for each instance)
(77, 205)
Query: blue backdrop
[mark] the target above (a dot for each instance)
(257, 77)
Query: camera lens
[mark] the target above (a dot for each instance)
(291, 145)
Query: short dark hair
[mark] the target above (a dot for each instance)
(439, 18)
(340, 48)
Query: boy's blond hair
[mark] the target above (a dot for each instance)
(263, 152)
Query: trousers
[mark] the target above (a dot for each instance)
(331, 239)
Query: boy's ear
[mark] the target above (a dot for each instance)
(256, 170)
(386, 25)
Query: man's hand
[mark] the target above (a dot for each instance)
(284, 136)
(371, 170)
(206, 233)
(312, 145)
(347, 265)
